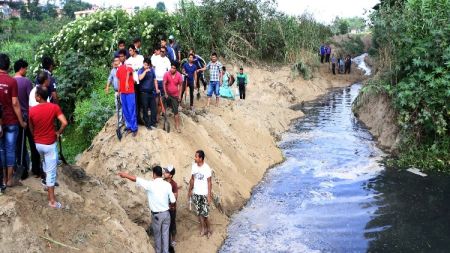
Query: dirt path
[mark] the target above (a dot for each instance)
(107, 214)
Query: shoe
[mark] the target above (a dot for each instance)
(2, 188)
(153, 127)
(57, 205)
(44, 183)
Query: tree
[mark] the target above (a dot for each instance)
(343, 27)
(71, 6)
(49, 10)
(161, 6)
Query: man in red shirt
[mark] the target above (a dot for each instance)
(127, 96)
(12, 117)
(42, 117)
(172, 90)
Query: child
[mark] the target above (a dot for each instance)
(242, 82)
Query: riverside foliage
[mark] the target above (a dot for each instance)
(412, 39)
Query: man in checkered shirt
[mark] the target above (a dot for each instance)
(215, 78)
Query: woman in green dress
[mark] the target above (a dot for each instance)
(225, 90)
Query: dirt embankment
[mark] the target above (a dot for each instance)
(376, 112)
(107, 214)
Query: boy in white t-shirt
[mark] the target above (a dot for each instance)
(200, 187)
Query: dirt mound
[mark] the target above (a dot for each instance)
(106, 214)
(377, 114)
(90, 221)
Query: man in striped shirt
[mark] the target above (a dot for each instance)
(215, 78)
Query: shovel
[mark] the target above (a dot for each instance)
(63, 159)
(166, 125)
(20, 168)
(119, 126)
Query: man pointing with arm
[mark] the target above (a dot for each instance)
(159, 193)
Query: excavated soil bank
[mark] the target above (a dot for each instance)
(106, 214)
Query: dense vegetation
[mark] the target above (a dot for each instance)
(412, 39)
(240, 31)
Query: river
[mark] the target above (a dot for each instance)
(333, 194)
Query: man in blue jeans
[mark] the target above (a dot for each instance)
(12, 117)
(215, 78)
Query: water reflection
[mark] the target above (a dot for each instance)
(413, 213)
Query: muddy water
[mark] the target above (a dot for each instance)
(333, 195)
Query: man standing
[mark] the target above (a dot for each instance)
(159, 194)
(12, 118)
(148, 87)
(120, 46)
(136, 62)
(348, 64)
(242, 81)
(333, 64)
(169, 172)
(327, 53)
(24, 87)
(169, 50)
(190, 72)
(112, 79)
(322, 53)
(48, 66)
(161, 64)
(200, 187)
(172, 90)
(137, 45)
(127, 97)
(42, 117)
(176, 48)
(200, 63)
(215, 78)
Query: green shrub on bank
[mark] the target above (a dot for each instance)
(354, 45)
(413, 43)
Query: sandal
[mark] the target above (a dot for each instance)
(57, 205)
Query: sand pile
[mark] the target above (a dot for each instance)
(107, 214)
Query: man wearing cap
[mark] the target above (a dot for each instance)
(169, 172)
(176, 48)
(159, 193)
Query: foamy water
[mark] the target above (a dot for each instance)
(359, 60)
(314, 201)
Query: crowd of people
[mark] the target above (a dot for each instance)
(162, 195)
(144, 85)
(343, 64)
(29, 112)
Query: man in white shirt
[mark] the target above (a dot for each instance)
(161, 64)
(200, 187)
(136, 62)
(42, 80)
(159, 193)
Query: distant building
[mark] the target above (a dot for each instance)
(85, 13)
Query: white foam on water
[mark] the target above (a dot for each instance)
(372, 169)
(359, 60)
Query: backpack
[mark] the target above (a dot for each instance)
(231, 81)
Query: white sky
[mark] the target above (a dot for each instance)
(323, 10)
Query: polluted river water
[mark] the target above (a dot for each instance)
(333, 194)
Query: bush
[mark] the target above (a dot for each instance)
(413, 43)
(92, 113)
